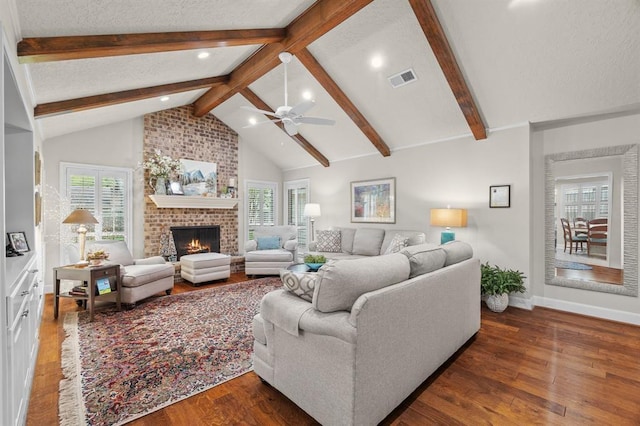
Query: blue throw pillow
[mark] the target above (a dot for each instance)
(268, 243)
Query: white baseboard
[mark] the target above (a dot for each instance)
(592, 311)
(520, 302)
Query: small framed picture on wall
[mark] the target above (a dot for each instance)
(500, 196)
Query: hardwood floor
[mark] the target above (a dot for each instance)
(523, 367)
(600, 274)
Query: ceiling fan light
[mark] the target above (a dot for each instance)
(203, 55)
(164, 99)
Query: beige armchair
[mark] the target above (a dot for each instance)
(139, 278)
(272, 248)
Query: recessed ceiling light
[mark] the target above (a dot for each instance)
(164, 99)
(377, 61)
(253, 121)
(307, 95)
(203, 55)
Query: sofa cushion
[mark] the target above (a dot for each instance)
(415, 238)
(268, 243)
(137, 275)
(341, 282)
(424, 258)
(346, 238)
(278, 255)
(300, 284)
(367, 241)
(397, 243)
(328, 241)
(118, 251)
(457, 251)
(285, 232)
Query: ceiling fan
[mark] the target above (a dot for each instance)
(290, 116)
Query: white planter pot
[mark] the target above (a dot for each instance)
(498, 302)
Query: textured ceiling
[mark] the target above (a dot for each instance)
(535, 61)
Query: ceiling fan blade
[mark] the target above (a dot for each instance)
(260, 111)
(315, 120)
(290, 127)
(302, 107)
(261, 122)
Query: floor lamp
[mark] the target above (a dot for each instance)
(81, 217)
(312, 210)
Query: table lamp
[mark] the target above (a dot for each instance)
(81, 217)
(312, 210)
(448, 217)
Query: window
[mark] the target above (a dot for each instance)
(105, 192)
(261, 201)
(586, 198)
(297, 195)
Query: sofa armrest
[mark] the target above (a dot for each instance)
(154, 260)
(291, 245)
(335, 324)
(251, 245)
(284, 310)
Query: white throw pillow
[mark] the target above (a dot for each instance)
(329, 241)
(397, 243)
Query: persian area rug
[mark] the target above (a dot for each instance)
(127, 364)
(564, 264)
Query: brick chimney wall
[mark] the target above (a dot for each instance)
(179, 134)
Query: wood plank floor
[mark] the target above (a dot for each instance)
(523, 367)
(600, 274)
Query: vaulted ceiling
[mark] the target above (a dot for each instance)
(480, 65)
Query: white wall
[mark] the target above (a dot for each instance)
(116, 145)
(456, 173)
(254, 166)
(575, 137)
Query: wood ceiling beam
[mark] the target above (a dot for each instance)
(314, 67)
(316, 21)
(45, 49)
(260, 104)
(424, 11)
(97, 101)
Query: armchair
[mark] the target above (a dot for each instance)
(273, 248)
(140, 278)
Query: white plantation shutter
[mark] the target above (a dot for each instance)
(103, 191)
(261, 205)
(297, 193)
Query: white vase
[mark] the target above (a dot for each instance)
(498, 302)
(161, 186)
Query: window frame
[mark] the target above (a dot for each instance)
(262, 184)
(303, 228)
(98, 171)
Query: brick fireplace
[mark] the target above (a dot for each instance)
(179, 134)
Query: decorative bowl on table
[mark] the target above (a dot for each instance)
(96, 258)
(314, 266)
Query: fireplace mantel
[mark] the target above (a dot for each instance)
(192, 202)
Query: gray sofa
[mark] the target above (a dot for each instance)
(360, 242)
(375, 329)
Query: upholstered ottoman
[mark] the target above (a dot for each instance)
(201, 267)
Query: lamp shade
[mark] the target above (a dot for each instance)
(449, 217)
(80, 217)
(312, 210)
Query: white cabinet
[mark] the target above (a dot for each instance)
(21, 289)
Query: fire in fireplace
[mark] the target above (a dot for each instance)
(196, 239)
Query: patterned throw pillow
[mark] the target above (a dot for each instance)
(329, 241)
(298, 283)
(397, 243)
(268, 243)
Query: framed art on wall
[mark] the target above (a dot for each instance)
(500, 196)
(373, 201)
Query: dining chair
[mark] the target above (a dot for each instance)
(570, 238)
(597, 233)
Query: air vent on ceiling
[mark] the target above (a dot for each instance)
(402, 78)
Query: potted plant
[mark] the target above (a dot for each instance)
(496, 283)
(315, 261)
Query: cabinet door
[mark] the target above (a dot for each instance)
(19, 359)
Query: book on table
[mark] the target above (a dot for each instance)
(78, 291)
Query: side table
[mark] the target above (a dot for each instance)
(88, 275)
